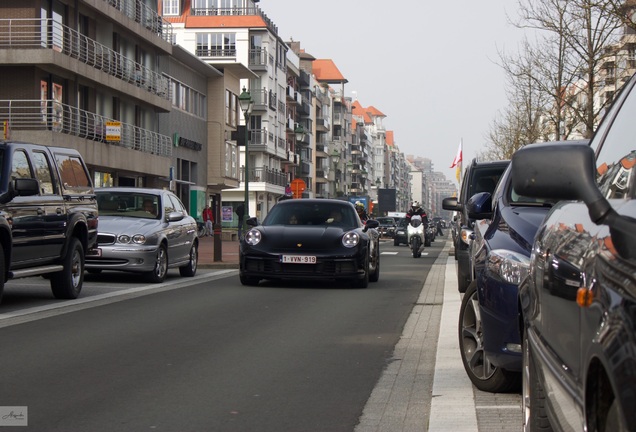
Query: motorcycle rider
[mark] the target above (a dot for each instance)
(361, 211)
(416, 209)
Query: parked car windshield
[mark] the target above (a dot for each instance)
(311, 214)
(128, 204)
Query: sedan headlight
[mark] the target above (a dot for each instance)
(351, 239)
(136, 239)
(253, 237)
(512, 267)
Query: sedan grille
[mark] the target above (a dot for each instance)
(105, 239)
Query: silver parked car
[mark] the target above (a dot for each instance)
(146, 231)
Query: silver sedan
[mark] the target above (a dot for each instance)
(146, 231)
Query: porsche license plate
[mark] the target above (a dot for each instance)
(298, 259)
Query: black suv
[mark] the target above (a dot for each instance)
(478, 177)
(48, 215)
(579, 299)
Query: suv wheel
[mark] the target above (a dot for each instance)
(67, 284)
(484, 375)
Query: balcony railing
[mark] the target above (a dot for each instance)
(51, 115)
(47, 34)
(266, 175)
(247, 10)
(258, 58)
(138, 11)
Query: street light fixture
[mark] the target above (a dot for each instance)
(246, 102)
(299, 131)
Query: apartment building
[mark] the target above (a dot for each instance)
(84, 74)
(237, 38)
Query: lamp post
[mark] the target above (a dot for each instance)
(246, 102)
(299, 132)
(335, 158)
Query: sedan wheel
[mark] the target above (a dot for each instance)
(158, 274)
(484, 375)
(190, 269)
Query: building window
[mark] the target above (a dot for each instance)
(171, 7)
(216, 44)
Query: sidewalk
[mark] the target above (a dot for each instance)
(229, 254)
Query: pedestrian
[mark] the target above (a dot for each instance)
(208, 220)
(240, 212)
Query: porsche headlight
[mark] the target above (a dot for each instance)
(253, 237)
(350, 239)
(512, 267)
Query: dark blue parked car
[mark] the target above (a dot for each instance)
(489, 335)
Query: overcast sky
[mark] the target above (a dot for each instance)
(429, 66)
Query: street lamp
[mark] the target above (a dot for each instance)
(246, 102)
(299, 131)
(335, 158)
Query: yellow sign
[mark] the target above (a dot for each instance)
(113, 131)
(4, 128)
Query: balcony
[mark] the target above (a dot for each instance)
(21, 34)
(260, 98)
(138, 11)
(53, 116)
(291, 95)
(292, 159)
(322, 124)
(264, 175)
(258, 59)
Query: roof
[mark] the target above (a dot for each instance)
(327, 71)
(389, 138)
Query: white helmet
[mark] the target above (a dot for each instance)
(415, 204)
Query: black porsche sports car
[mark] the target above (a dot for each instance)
(307, 239)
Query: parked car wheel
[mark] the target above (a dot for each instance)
(484, 375)
(67, 284)
(158, 274)
(396, 242)
(190, 269)
(532, 394)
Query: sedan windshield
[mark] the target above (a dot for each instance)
(136, 205)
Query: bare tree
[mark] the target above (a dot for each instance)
(579, 31)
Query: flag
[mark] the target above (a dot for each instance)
(457, 162)
(458, 159)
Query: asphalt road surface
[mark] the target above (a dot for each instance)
(212, 355)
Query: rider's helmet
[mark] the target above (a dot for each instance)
(359, 208)
(415, 205)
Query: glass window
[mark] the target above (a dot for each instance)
(616, 149)
(43, 172)
(171, 7)
(72, 171)
(20, 166)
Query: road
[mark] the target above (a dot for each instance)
(212, 355)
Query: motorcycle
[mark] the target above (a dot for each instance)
(415, 235)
